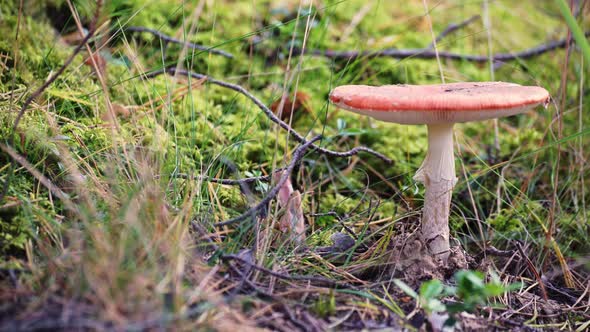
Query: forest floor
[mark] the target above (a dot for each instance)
(157, 170)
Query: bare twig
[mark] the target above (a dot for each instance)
(493, 251)
(427, 53)
(564, 292)
(42, 88)
(56, 191)
(533, 270)
(253, 211)
(452, 28)
(244, 279)
(325, 281)
(268, 112)
(168, 39)
(231, 182)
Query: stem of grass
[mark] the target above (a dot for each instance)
(577, 32)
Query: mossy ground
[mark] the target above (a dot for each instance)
(130, 249)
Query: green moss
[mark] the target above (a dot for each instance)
(161, 15)
(36, 53)
(323, 237)
(506, 221)
(515, 219)
(229, 196)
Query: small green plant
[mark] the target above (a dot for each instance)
(260, 186)
(325, 305)
(471, 290)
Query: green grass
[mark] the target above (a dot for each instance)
(138, 249)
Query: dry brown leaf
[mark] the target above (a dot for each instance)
(73, 38)
(297, 103)
(118, 110)
(292, 220)
(101, 63)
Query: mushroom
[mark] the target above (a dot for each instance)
(439, 106)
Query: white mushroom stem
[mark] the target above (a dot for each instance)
(437, 173)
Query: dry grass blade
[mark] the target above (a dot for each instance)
(65, 199)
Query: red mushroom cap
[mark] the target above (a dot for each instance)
(439, 103)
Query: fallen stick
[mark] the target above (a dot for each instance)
(232, 182)
(328, 282)
(168, 39)
(452, 28)
(428, 53)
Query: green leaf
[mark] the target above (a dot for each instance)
(456, 307)
(431, 289)
(434, 305)
(475, 279)
(450, 291)
(494, 289)
(514, 286)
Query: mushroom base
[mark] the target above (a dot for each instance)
(435, 218)
(412, 260)
(437, 173)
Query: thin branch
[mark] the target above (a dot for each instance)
(169, 39)
(298, 137)
(329, 282)
(427, 53)
(493, 251)
(42, 88)
(452, 28)
(264, 178)
(253, 211)
(244, 279)
(55, 190)
(533, 270)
